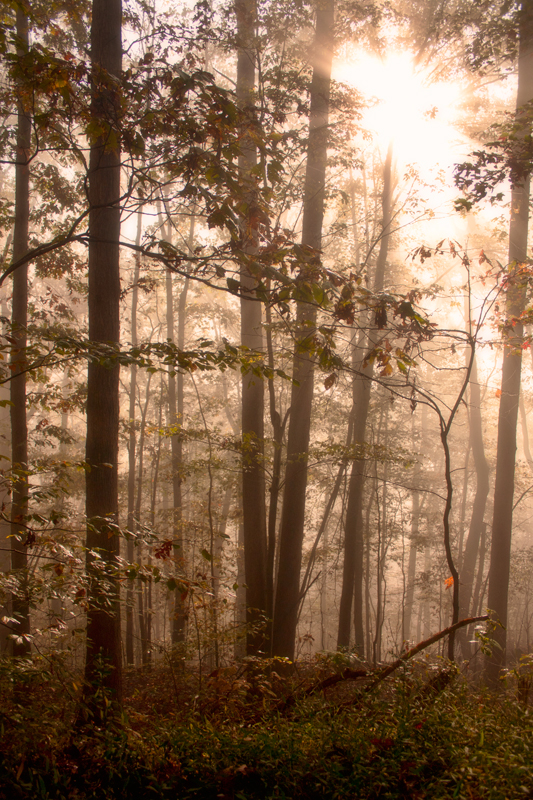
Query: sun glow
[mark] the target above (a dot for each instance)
(416, 114)
(405, 106)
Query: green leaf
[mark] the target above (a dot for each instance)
(233, 285)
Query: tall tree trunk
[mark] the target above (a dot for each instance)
(138, 507)
(525, 432)
(278, 430)
(322, 528)
(413, 548)
(131, 447)
(19, 429)
(178, 620)
(471, 550)
(293, 511)
(367, 578)
(252, 389)
(103, 663)
(175, 413)
(352, 576)
(153, 506)
(5, 453)
(479, 588)
(500, 556)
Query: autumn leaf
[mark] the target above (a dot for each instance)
(448, 582)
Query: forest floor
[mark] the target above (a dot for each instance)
(328, 731)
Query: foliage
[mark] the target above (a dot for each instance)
(425, 734)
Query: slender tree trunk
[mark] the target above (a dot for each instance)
(103, 663)
(153, 506)
(306, 582)
(462, 510)
(239, 650)
(477, 597)
(413, 547)
(511, 369)
(178, 621)
(471, 550)
(175, 413)
(19, 429)
(293, 511)
(278, 429)
(352, 577)
(367, 578)
(252, 389)
(131, 447)
(5, 495)
(138, 507)
(376, 648)
(525, 432)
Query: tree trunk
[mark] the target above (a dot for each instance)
(252, 388)
(5, 453)
(352, 576)
(367, 578)
(175, 414)
(19, 429)
(178, 621)
(138, 507)
(278, 430)
(293, 511)
(103, 663)
(511, 369)
(322, 528)
(131, 526)
(471, 550)
(153, 506)
(413, 548)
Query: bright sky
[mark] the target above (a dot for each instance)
(420, 115)
(417, 114)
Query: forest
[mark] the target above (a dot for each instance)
(266, 371)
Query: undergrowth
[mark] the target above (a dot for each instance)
(425, 733)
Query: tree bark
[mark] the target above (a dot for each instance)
(413, 549)
(19, 429)
(467, 573)
(131, 526)
(278, 430)
(141, 618)
(293, 511)
(352, 576)
(511, 369)
(175, 419)
(103, 663)
(252, 388)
